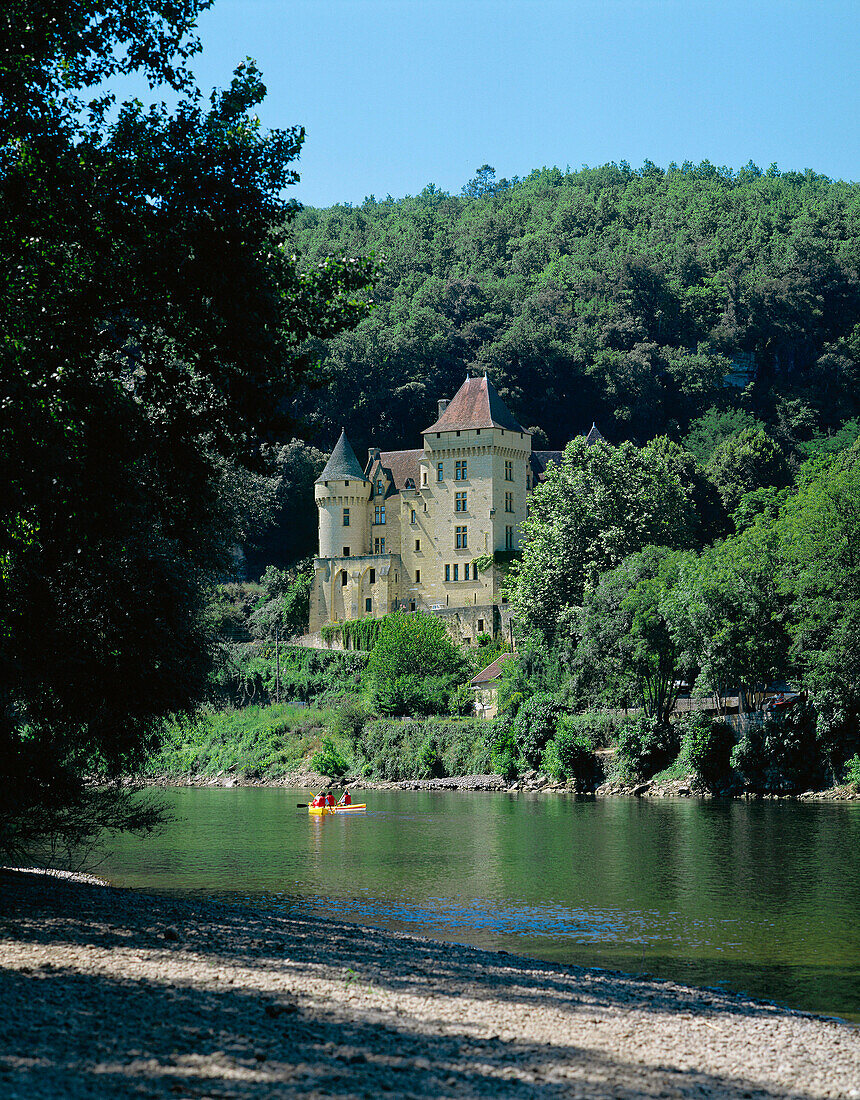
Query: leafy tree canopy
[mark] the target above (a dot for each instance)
(155, 327)
(612, 294)
(601, 504)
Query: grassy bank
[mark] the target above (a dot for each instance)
(255, 742)
(269, 742)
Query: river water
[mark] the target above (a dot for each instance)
(761, 898)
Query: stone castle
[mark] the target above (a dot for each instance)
(406, 531)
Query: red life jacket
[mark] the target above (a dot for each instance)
(330, 800)
(346, 799)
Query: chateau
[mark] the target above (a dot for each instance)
(406, 531)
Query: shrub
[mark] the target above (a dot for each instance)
(535, 725)
(599, 727)
(413, 696)
(707, 746)
(645, 747)
(251, 741)
(349, 718)
(505, 756)
(852, 771)
(430, 759)
(414, 667)
(783, 754)
(570, 755)
(329, 761)
(426, 748)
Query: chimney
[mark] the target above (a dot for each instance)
(443, 404)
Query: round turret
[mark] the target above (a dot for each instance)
(342, 509)
(341, 493)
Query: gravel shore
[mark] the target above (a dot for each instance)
(111, 993)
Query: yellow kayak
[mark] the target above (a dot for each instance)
(321, 811)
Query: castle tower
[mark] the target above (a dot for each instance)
(342, 492)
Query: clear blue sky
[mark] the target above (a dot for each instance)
(396, 94)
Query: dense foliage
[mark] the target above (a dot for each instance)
(611, 294)
(415, 668)
(154, 325)
(773, 600)
(254, 742)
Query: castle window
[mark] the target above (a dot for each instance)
(346, 483)
(413, 516)
(346, 517)
(417, 576)
(447, 572)
(418, 546)
(509, 502)
(343, 578)
(458, 433)
(423, 479)
(477, 431)
(379, 546)
(346, 552)
(459, 502)
(509, 470)
(379, 513)
(460, 469)
(460, 538)
(368, 604)
(409, 483)
(456, 572)
(412, 605)
(466, 571)
(440, 471)
(380, 487)
(509, 538)
(480, 626)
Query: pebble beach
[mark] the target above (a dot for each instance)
(113, 993)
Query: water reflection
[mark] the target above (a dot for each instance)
(762, 897)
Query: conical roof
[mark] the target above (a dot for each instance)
(342, 464)
(594, 435)
(476, 405)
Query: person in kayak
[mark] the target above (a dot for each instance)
(329, 800)
(345, 798)
(320, 800)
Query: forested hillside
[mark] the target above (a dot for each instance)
(610, 294)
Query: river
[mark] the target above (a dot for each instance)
(761, 898)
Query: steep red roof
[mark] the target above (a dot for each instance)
(491, 672)
(401, 465)
(476, 405)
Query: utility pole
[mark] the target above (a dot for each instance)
(277, 662)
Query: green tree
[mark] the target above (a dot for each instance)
(628, 651)
(414, 667)
(601, 504)
(290, 533)
(284, 601)
(819, 529)
(153, 328)
(714, 427)
(731, 615)
(744, 462)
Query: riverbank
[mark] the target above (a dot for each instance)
(534, 783)
(112, 993)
